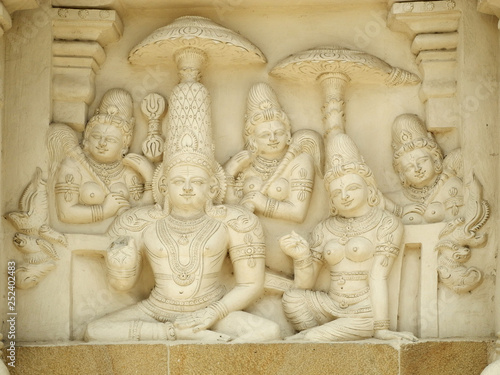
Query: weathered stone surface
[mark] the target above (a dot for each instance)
(453, 357)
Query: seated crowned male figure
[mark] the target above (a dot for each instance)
(186, 243)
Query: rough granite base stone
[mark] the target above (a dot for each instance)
(372, 357)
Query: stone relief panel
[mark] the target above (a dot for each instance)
(175, 212)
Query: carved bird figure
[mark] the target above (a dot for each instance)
(32, 217)
(33, 206)
(35, 250)
(463, 230)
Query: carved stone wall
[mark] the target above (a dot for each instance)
(334, 67)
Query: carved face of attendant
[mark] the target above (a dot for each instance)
(271, 139)
(349, 194)
(189, 188)
(105, 143)
(418, 168)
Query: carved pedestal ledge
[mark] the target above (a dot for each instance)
(79, 38)
(433, 25)
(457, 357)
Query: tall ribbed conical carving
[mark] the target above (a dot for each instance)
(189, 133)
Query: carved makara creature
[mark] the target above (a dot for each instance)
(457, 239)
(35, 250)
(3, 368)
(274, 175)
(33, 215)
(35, 238)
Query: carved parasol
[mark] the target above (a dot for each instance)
(190, 40)
(334, 68)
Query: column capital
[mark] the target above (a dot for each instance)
(419, 17)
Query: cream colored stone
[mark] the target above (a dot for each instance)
(62, 57)
(429, 358)
(424, 17)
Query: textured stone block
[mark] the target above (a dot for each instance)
(369, 357)
(339, 359)
(91, 359)
(444, 358)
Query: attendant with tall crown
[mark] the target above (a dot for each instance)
(274, 174)
(431, 184)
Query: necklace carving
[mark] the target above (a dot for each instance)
(347, 228)
(173, 233)
(265, 167)
(107, 172)
(423, 194)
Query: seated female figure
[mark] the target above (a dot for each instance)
(358, 243)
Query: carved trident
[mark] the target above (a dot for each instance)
(153, 107)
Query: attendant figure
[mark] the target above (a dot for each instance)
(102, 178)
(430, 183)
(274, 174)
(358, 243)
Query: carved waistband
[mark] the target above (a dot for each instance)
(343, 276)
(348, 299)
(180, 305)
(167, 276)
